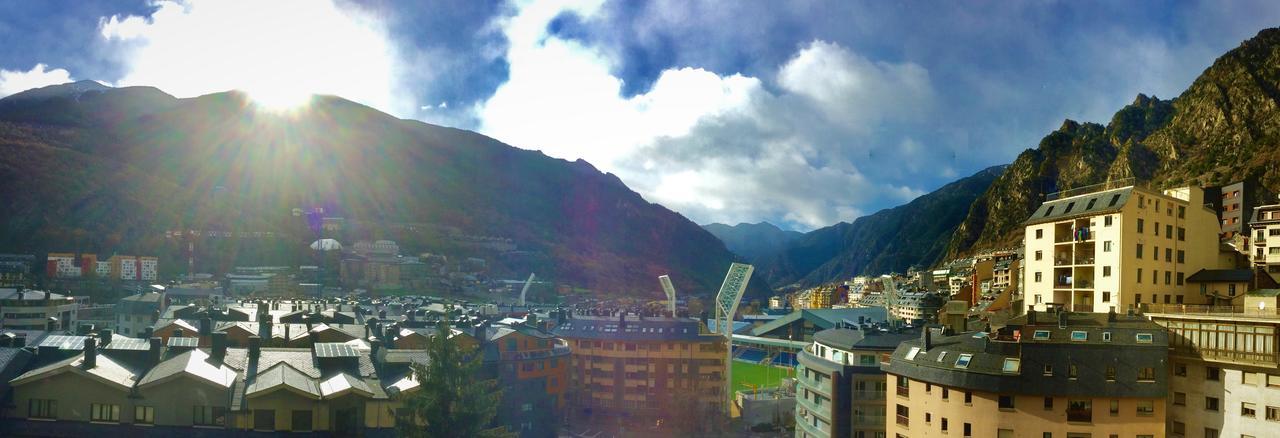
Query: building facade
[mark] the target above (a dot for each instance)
(1224, 377)
(644, 369)
(1044, 375)
(840, 388)
(1118, 248)
(32, 310)
(1265, 251)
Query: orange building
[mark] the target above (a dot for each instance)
(531, 366)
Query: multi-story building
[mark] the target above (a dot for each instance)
(645, 369)
(31, 310)
(148, 268)
(531, 366)
(1045, 374)
(102, 269)
(1234, 203)
(1224, 377)
(1265, 253)
(62, 265)
(1117, 248)
(840, 389)
(15, 269)
(124, 267)
(135, 313)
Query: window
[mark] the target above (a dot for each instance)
(215, 416)
(904, 415)
(1048, 370)
(1182, 233)
(1248, 410)
(1040, 335)
(1079, 336)
(1106, 246)
(1156, 229)
(1212, 373)
(1248, 378)
(1040, 233)
(1179, 428)
(1140, 224)
(104, 412)
(1210, 432)
(1146, 374)
(1168, 277)
(1080, 411)
(946, 394)
(1038, 277)
(1048, 403)
(1139, 253)
(968, 397)
(1155, 255)
(1182, 279)
(1072, 372)
(1143, 338)
(1168, 231)
(42, 408)
(1115, 408)
(1111, 373)
(144, 415)
(1139, 282)
(1146, 408)
(1006, 402)
(1180, 399)
(264, 419)
(1211, 403)
(911, 355)
(944, 424)
(1273, 413)
(1012, 365)
(968, 430)
(1106, 271)
(1231, 290)
(1039, 255)
(301, 421)
(1106, 298)
(1182, 212)
(1106, 221)
(963, 360)
(1168, 255)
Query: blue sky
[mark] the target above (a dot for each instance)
(799, 113)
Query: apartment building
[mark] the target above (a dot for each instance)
(15, 269)
(1265, 227)
(114, 385)
(1117, 248)
(148, 268)
(840, 388)
(1224, 377)
(62, 265)
(1058, 374)
(134, 313)
(124, 267)
(1233, 203)
(531, 366)
(32, 310)
(645, 369)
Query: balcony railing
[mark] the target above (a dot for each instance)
(869, 395)
(904, 391)
(1201, 309)
(554, 351)
(1082, 307)
(903, 420)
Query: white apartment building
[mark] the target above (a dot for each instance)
(31, 309)
(1265, 226)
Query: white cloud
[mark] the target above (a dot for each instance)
(275, 51)
(714, 147)
(17, 81)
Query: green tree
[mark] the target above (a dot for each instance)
(451, 401)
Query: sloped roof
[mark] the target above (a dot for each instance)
(343, 383)
(1092, 204)
(1221, 275)
(108, 371)
(283, 376)
(194, 363)
(823, 318)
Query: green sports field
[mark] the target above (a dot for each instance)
(763, 375)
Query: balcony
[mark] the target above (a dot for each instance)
(903, 420)
(554, 351)
(869, 395)
(904, 391)
(1082, 308)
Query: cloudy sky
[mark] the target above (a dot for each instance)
(799, 113)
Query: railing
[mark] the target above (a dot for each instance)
(1061, 262)
(1082, 307)
(1201, 309)
(903, 420)
(869, 395)
(904, 391)
(554, 351)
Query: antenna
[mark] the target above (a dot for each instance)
(671, 293)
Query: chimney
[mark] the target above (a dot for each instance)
(146, 332)
(105, 334)
(19, 342)
(926, 338)
(219, 342)
(531, 320)
(1111, 315)
(255, 347)
(157, 348)
(90, 352)
(1062, 319)
(206, 326)
(1031, 317)
(382, 315)
(313, 338)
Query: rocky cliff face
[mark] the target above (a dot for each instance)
(1223, 129)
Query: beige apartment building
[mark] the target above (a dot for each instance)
(1224, 372)
(1115, 249)
(1265, 226)
(1058, 374)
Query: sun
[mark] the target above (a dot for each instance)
(279, 98)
